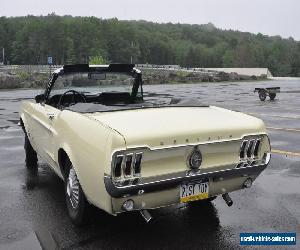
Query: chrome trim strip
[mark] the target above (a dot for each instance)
(188, 145)
(267, 158)
(157, 183)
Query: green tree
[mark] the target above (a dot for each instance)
(30, 39)
(95, 60)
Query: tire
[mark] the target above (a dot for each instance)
(272, 96)
(31, 160)
(262, 95)
(76, 202)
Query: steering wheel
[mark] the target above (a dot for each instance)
(73, 101)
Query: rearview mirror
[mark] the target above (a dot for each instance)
(97, 76)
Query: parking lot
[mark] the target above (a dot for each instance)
(32, 208)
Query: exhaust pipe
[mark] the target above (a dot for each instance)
(227, 199)
(146, 215)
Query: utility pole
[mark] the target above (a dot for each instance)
(131, 52)
(3, 56)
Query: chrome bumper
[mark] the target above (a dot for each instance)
(162, 182)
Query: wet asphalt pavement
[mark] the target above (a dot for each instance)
(32, 208)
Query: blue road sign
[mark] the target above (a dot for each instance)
(50, 60)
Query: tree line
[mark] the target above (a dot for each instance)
(30, 39)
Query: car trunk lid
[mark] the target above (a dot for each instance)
(174, 126)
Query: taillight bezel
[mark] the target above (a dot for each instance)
(130, 167)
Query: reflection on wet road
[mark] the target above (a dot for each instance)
(33, 202)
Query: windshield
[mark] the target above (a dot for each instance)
(94, 87)
(84, 83)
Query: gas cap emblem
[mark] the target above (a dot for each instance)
(195, 159)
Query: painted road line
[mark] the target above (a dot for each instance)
(282, 152)
(277, 116)
(285, 129)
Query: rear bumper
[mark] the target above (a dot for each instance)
(171, 181)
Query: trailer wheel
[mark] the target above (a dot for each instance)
(272, 96)
(262, 95)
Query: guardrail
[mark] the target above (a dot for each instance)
(45, 68)
(28, 68)
(241, 71)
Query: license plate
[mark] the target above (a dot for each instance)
(193, 191)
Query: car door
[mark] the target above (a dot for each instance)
(41, 133)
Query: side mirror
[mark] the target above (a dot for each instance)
(39, 98)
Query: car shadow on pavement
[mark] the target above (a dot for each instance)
(194, 225)
(188, 225)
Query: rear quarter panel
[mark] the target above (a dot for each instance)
(88, 143)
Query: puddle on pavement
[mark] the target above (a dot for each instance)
(14, 121)
(290, 91)
(32, 180)
(14, 148)
(8, 235)
(289, 184)
(294, 169)
(20, 99)
(150, 94)
(9, 137)
(4, 127)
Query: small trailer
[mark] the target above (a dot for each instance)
(264, 92)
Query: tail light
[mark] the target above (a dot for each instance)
(117, 171)
(127, 166)
(242, 150)
(256, 148)
(137, 163)
(249, 149)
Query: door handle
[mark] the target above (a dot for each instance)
(50, 116)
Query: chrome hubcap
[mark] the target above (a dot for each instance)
(73, 188)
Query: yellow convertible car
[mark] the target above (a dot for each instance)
(120, 153)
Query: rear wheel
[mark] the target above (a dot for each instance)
(272, 96)
(262, 95)
(31, 159)
(76, 202)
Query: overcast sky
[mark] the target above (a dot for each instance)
(271, 17)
